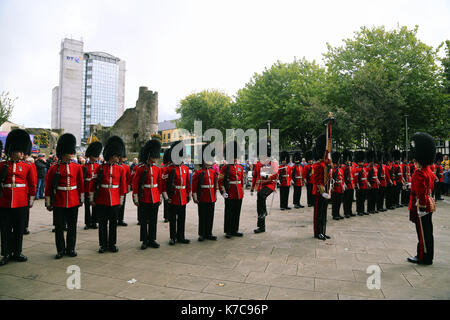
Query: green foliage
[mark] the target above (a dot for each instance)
(6, 107)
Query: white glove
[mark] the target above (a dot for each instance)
(194, 196)
(31, 202)
(264, 175)
(136, 200)
(82, 198)
(225, 195)
(326, 195)
(165, 196)
(121, 200)
(422, 213)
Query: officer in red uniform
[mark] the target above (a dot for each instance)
(438, 185)
(321, 198)
(422, 204)
(337, 186)
(17, 182)
(92, 153)
(231, 181)
(166, 163)
(308, 178)
(361, 183)
(64, 194)
(391, 181)
(33, 167)
(265, 177)
(297, 180)
(372, 181)
(107, 193)
(204, 194)
(349, 184)
(285, 178)
(147, 189)
(383, 175)
(177, 191)
(398, 175)
(126, 168)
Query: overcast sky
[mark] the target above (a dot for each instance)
(185, 46)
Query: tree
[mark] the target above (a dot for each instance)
(291, 96)
(379, 77)
(6, 107)
(212, 107)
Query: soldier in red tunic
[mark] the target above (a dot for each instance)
(92, 153)
(204, 194)
(127, 170)
(147, 189)
(231, 181)
(361, 183)
(422, 204)
(398, 176)
(372, 181)
(308, 178)
(383, 176)
(33, 167)
(349, 184)
(166, 163)
(337, 186)
(17, 192)
(107, 193)
(64, 194)
(438, 185)
(297, 180)
(285, 177)
(177, 191)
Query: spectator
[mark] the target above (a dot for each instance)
(304, 163)
(134, 164)
(82, 161)
(446, 186)
(216, 168)
(41, 168)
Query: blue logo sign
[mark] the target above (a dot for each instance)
(76, 59)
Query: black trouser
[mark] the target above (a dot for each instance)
(284, 197)
(372, 199)
(309, 195)
(148, 218)
(261, 207)
(232, 215)
(121, 213)
(336, 200)
(360, 198)
(297, 195)
(63, 216)
(390, 190)
(12, 223)
(89, 219)
(397, 190)
(205, 218)
(438, 189)
(425, 246)
(380, 198)
(105, 214)
(177, 219)
(320, 214)
(405, 196)
(27, 217)
(166, 210)
(348, 201)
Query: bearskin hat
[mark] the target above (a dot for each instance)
(359, 156)
(30, 148)
(396, 155)
(151, 149)
(94, 149)
(297, 157)
(208, 159)
(308, 155)
(141, 155)
(113, 147)
(439, 157)
(172, 157)
(66, 145)
(166, 156)
(17, 140)
(335, 157)
(234, 146)
(320, 146)
(284, 156)
(346, 156)
(424, 148)
(370, 156)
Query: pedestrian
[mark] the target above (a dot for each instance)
(134, 164)
(41, 168)
(17, 192)
(422, 204)
(64, 194)
(107, 193)
(92, 153)
(439, 176)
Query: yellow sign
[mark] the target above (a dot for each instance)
(91, 139)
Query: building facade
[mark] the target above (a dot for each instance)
(91, 90)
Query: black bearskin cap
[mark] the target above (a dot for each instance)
(335, 157)
(284, 156)
(213, 154)
(320, 146)
(166, 156)
(231, 145)
(347, 156)
(180, 154)
(370, 156)
(113, 147)
(424, 148)
(17, 140)
(308, 155)
(396, 155)
(439, 157)
(141, 155)
(94, 149)
(297, 157)
(151, 149)
(66, 145)
(359, 156)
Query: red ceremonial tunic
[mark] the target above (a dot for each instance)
(361, 177)
(235, 179)
(152, 186)
(297, 175)
(372, 177)
(317, 174)
(90, 169)
(422, 186)
(181, 184)
(20, 183)
(285, 175)
(270, 181)
(338, 176)
(207, 187)
(70, 188)
(112, 186)
(127, 175)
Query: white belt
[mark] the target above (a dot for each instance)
(285, 176)
(298, 177)
(363, 178)
(374, 177)
(234, 182)
(180, 187)
(14, 185)
(207, 186)
(338, 181)
(66, 188)
(88, 179)
(109, 186)
(400, 174)
(149, 186)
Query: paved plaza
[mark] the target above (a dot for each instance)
(286, 262)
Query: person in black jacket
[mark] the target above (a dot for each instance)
(41, 168)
